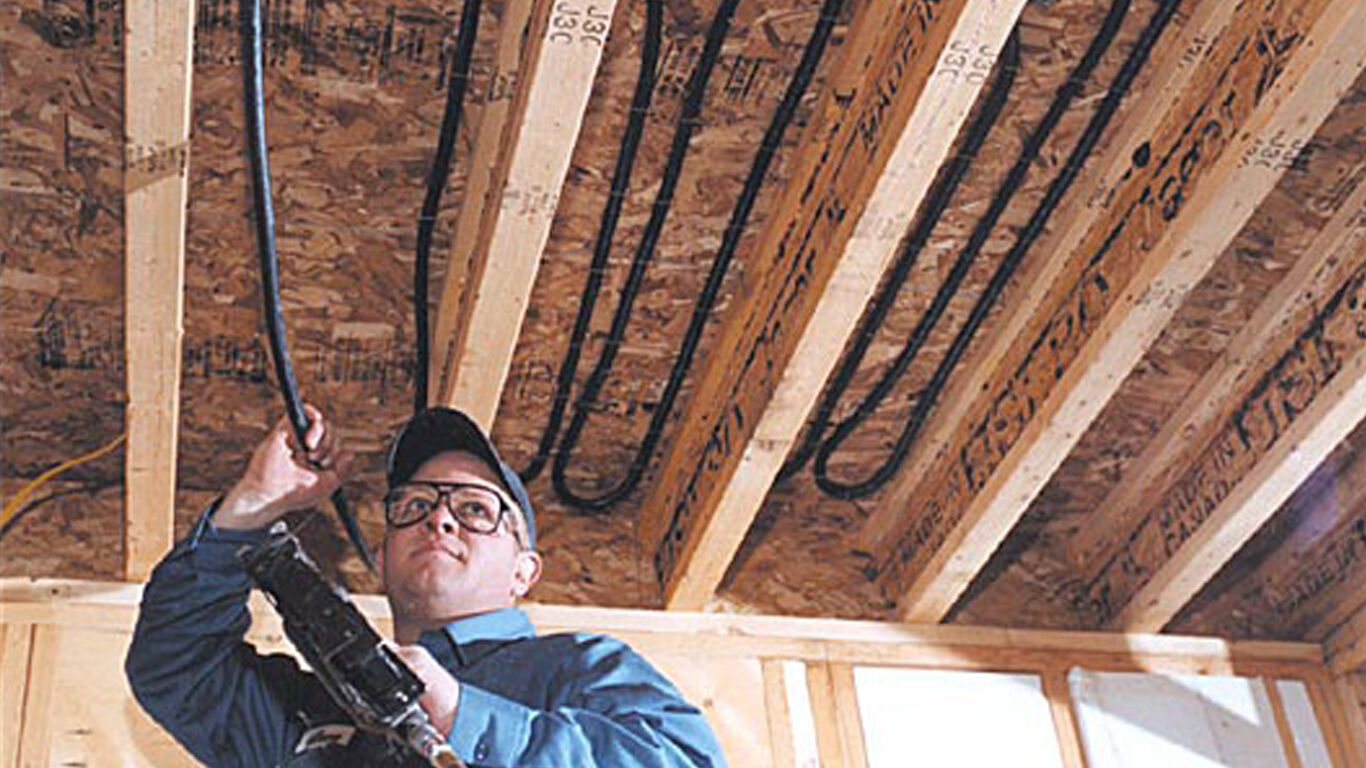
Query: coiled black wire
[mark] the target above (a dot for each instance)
(811, 56)
(436, 184)
(607, 227)
(1124, 79)
(264, 210)
(945, 186)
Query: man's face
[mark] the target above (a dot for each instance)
(435, 570)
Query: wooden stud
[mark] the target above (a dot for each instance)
(1324, 266)
(1328, 712)
(829, 744)
(157, 66)
(480, 313)
(779, 715)
(1187, 196)
(16, 648)
(1351, 690)
(1287, 737)
(847, 712)
(1064, 713)
(881, 131)
(36, 737)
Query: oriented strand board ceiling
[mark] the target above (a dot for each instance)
(1042, 314)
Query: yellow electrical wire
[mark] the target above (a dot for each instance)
(17, 501)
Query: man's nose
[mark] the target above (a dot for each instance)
(442, 520)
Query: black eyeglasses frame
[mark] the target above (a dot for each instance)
(444, 491)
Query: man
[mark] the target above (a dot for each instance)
(458, 553)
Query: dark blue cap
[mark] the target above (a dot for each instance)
(438, 430)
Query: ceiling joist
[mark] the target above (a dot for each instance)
(157, 65)
(1272, 76)
(520, 159)
(1311, 396)
(1307, 403)
(881, 131)
(1320, 271)
(1074, 215)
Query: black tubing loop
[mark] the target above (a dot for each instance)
(1057, 188)
(437, 177)
(683, 131)
(945, 186)
(253, 91)
(773, 137)
(607, 227)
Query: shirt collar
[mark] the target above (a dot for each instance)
(502, 624)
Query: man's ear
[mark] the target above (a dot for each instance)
(526, 573)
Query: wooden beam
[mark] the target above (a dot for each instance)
(157, 66)
(1189, 191)
(1102, 173)
(882, 129)
(521, 157)
(1300, 409)
(1318, 272)
(113, 606)
(488, 156)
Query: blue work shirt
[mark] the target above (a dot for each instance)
(525, 700)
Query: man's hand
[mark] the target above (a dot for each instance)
(281, 479)
(442, 694)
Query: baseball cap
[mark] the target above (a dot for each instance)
(437, 430)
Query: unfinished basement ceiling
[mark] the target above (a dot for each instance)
(1097, 152)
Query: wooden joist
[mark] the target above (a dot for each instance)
(551, 51)
(881, 131)
(1272, 75)
(157, 66)
(1322, 269)
(1303, 405)
(1104, 172)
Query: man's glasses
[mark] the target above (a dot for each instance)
(477, 508)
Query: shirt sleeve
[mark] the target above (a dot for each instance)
(615, 709)
(189, 666)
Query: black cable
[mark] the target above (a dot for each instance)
(255, 112)
(945, 186)
(607, 227)
(773, 136)
(1029, 153)
(436, 184)
(1124, 79)
(688, 120)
